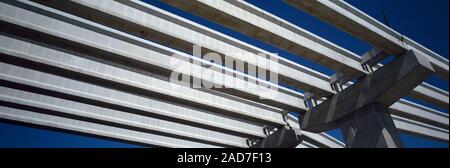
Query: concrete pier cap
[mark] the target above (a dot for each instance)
(382, 88)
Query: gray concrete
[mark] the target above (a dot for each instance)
(140, 52)
(318, 139)
(339, 78)
(144, 52)
(184, 33)
(148, 85)
(361, 25)
(255, 22)
(96, 130)
(373, 57)
(386, 85)
(102, 131)
(75, 110)
(307, 73)
(283, 137)
(440, 96)
(103, 75)
(370, 126)
(365, 119)
(64, 87)
(420, 113)
(420, 129)
(245, 18)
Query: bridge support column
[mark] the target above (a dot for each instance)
(361, 109)
(371, 126)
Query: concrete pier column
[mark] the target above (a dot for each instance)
(361, 110)
(371, 126)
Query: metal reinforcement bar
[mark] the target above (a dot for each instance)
(255, 22)
(361, 25)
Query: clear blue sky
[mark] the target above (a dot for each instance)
(423, 21)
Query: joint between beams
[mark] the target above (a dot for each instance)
(310, 100)
(337, 80)
(371, 58)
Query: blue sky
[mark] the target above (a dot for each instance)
(423, 21)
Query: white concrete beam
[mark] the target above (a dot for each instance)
(54, 83)
(419, 113)
(255, 22)
(247, 19)
(318, 77)
(184, 33)
(61, 87)
(116, 76)
(357, 23)
(420, 129)
(145, 52)
(70, 109)
(48, 82)
(72, 125)
(424, 91)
